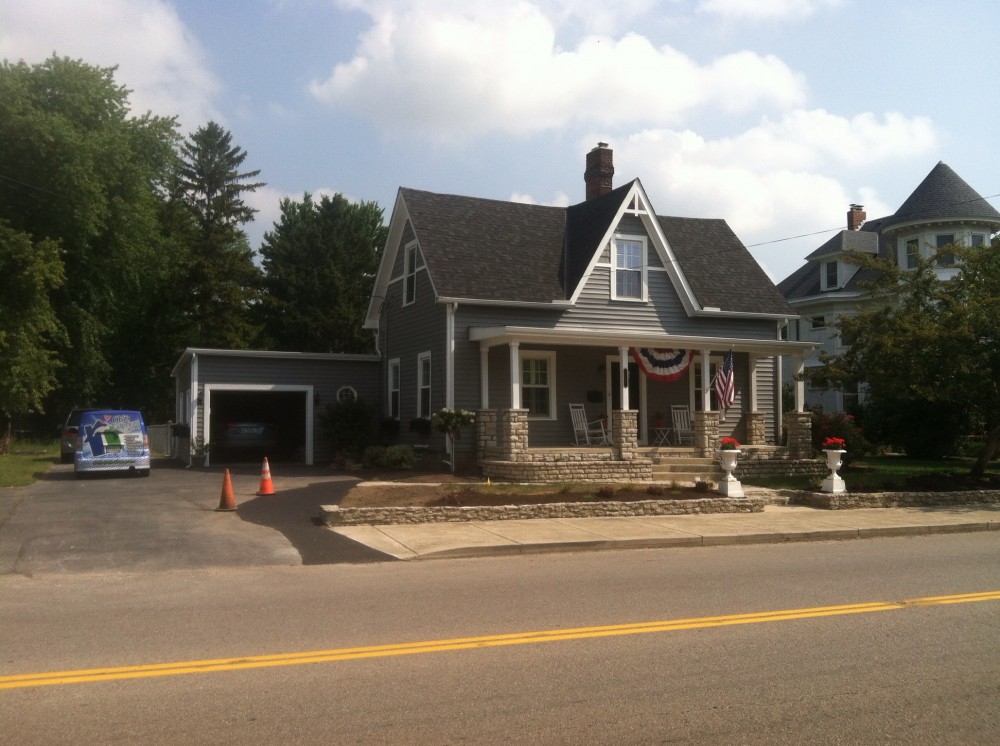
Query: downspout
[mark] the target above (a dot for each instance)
(193, 405)
(449, 372)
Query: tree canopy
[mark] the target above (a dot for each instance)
(928, 350)
(319, 264)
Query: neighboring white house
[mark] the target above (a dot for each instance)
(942, 210)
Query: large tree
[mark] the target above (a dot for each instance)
(220, 280)
(77, 169)
(29, 329)
(319, 263)
(928, 345)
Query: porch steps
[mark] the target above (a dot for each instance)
(680, 465)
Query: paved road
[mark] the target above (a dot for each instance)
(731, 647)
(169, 521)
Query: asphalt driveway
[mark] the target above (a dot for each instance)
(169, 521)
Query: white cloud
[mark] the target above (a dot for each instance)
(157, 57)
(559, 199)
(765, 9)
(775, 181)
(456, 71)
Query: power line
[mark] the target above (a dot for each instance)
(839, 228)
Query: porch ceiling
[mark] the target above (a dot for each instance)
(499, 335)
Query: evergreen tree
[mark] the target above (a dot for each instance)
(319, 264)
(221, 282)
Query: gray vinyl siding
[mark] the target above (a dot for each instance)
(412, 330)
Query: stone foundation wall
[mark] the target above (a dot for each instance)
(853, 500)
(336, 516)
(777, 464)
(570, 468)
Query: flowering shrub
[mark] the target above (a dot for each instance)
(837, 426)
(451, 421)
(834, 444)
(729, 444)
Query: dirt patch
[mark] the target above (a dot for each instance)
(430, 489)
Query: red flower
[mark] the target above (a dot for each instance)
(834, 443)
(729, 444)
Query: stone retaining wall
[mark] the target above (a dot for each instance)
(588, 468)
(852, 500)
(333, 515)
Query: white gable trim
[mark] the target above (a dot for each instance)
(637, 203)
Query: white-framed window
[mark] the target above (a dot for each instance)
(818, 322)
(410, 274)
(830, 269)
(713, 365)
(347, 393)
(912, 252)
(394, 388)
(424, 384)
(977, 239)
(538, 384)
(628, 268)
(946, 259)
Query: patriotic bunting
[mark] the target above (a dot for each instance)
(660, 364)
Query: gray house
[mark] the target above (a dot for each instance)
(517, 311)
(942, 211)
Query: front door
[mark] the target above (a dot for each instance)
(636, 392)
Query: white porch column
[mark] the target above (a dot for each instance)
(800, 384)
(623, 376)
(706, 381)
(515, 376)
(751, 405)
(484, 376)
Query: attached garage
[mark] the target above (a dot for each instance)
(243, 405)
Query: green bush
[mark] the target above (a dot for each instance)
(398, 457)
(923, 429)
(347, 425)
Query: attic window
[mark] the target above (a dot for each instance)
(831, 276)
(410, 275)
(629, 268)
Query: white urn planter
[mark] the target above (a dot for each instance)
(729, 485)
(834, 483)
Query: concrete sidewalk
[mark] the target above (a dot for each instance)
(778, 523)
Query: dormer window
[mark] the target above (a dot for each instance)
(830, 269)
(629, 268)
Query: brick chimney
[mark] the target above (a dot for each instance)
(600, 170)
(856, 217)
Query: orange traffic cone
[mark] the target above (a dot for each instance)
(227, 501)
(266, 487)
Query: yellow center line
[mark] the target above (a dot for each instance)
(80, 676)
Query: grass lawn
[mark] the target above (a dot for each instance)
(26, 461)
(895, 473)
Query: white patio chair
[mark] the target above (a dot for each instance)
(589, 432)
(681, 416)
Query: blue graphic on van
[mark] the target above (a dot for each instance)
(112, 440)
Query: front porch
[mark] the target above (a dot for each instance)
(503, 452)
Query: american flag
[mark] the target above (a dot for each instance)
(725, 388)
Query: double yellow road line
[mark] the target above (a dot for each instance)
(18, 681)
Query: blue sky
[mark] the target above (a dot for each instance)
(772, 114)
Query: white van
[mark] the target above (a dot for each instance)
(111, 440)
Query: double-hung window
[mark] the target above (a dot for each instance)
(424, 384)
(628, 267)
(912, 252)
(947, 258)
(538, 384)
(831, 276)
(410, 275)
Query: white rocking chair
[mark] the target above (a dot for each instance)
(588, 432)
(683, 430)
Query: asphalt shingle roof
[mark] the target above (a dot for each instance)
(943, 194)
(491, 250)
